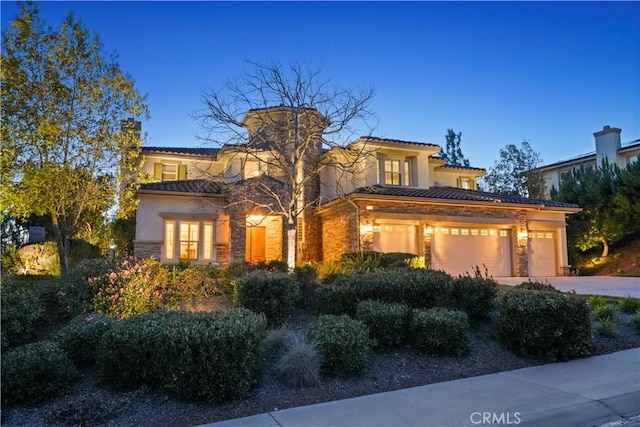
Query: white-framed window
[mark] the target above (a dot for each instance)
(169, 171)
(189, 240)
(466, 183)
(395, 171)
(253, 168)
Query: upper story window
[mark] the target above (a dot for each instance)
(168, 171)
(466, 182)
(254, 168)
(396, 172)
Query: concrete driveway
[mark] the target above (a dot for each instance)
(590, 285)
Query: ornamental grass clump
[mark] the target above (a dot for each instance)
(299, 364)
(629, 304)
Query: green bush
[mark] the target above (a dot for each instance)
(199, 281)
(81, 336)
(195, 356)
(299, 364)
(605, 312)
(416, 288)
(36, 372)
(23, 311)
(86, 410)
(629, 304)
(37, 259)
(343, 342)
(274, 294)
(474, 295)
(635, 322)
(307, 280)
(607, 328)
(537, 286)
(134, 287)
(544, 325)
(75, 295)
(387, 322)
(439, 331)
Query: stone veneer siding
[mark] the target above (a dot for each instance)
(340, 230)
(147, 249)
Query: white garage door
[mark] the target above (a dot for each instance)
(458, 250)
(395, 238)
(542, 254)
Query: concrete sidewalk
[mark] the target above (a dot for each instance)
(586, 392)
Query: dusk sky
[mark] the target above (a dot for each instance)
(500, 72)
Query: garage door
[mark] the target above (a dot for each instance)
(395, 238)
(458, 250)
(542, 254)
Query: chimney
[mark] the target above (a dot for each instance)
(131, 125)
(607, 145)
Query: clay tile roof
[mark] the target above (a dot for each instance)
(450, 193)
(198, 186)
(192, 151)
(398, 141)
(471, 168)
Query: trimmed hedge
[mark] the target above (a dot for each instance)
(439, 331)
(474, 295)
(36, 372)
(195, 356)
(343, 342)
(417, 288)
(81, 336)
(274, 294)
(537, 286)
(22, 314)
(387, 322)
(544, 325)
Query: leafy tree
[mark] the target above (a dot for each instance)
(62, 104)
(286, 141)
(515, 172)
(607, 211)
(453, 153)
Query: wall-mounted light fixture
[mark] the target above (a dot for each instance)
(366, 228)
(523, 234)
(428, 229)
(253, 220)
(369, 207)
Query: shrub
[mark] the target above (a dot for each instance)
(605, 312)
(274, 294)
(22, 314)
(363, 261)
(343, 342)
(413, 287)
(607, 328)
(439, 331)
(629, 304)
(474, 295)
(544, 325)
(37, 259)
(86, 410)
(537, 286)
(308, 283)
(36, 372)
(199, 281)
(635, 322)
(81, 336)
(195, 356)
(75, 295)
(133, 287)
(596, 301)
(299, 365)
(387, 322)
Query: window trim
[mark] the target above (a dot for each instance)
(173, 243)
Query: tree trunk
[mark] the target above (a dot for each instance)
(61, 241)
(291, 245)
(605, 249)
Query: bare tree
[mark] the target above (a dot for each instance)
(278, 123)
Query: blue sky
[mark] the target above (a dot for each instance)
(499, 72)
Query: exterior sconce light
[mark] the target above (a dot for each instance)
(523, 235)
(366, 228)
(428, 229)
(369, 207)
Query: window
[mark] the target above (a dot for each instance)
(466, 182)
(392, 174)
(254, 168)
(407, 174)
(169, 171)
(189, 240)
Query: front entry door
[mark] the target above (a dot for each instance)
(255, 250)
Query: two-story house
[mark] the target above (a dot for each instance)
(608, 147)
(398, 196)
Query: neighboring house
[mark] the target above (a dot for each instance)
(608, 147)
(399, 197)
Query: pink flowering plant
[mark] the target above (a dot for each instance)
(133, 287)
